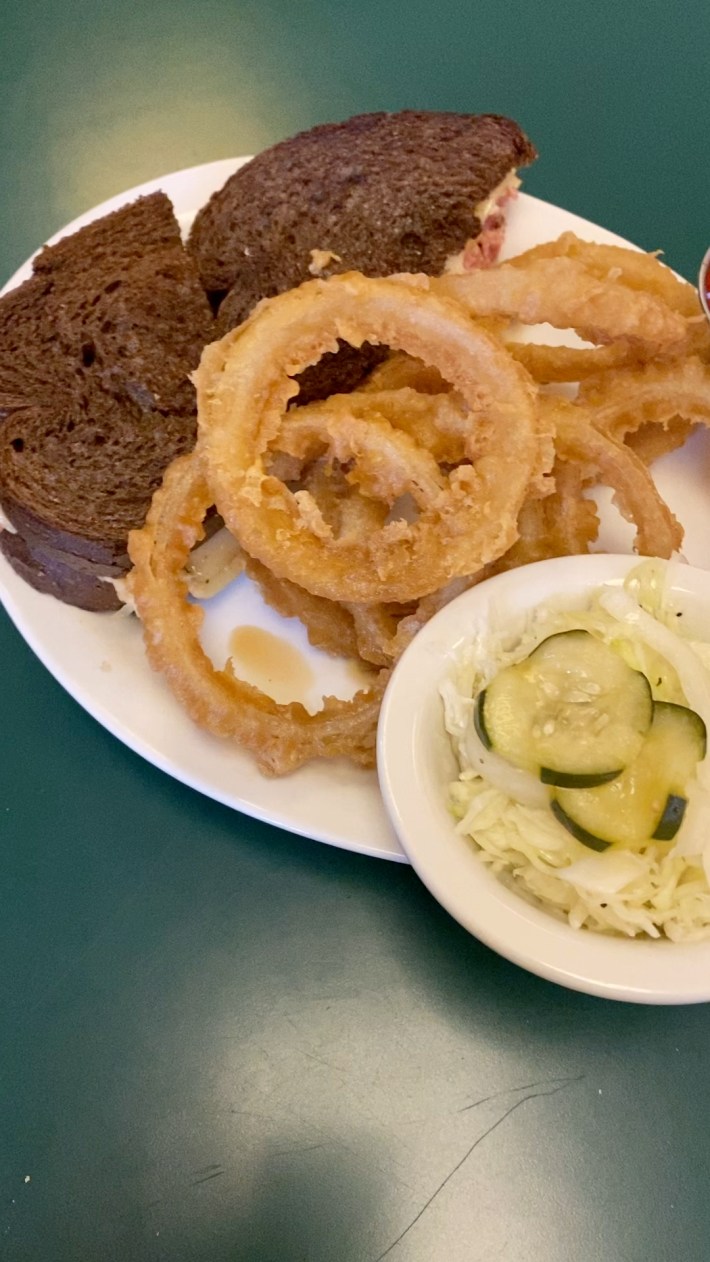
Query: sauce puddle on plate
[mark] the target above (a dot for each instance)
(271, 664)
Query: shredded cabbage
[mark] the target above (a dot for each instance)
(662, 891)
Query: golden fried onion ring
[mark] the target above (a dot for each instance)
(563, 292)
(651, 408)
(440, 424)
(400, 370)
(637, 270)
(467, 517)
(572, 363)
(622, 402)
(281, 737)
(579, 442)
(564, 522)
(561, 523)
(330, 625)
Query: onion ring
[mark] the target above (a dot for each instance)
(281, 737)
(578, 441)
(244, 383)
(566, 294)
(563, 524)
(621, 402)
(440, 423)
(560, 524)
(572, 363)
(400, 371)
(634, 268)
(650, 441)
(330, 626)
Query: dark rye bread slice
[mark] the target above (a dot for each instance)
(383, 192)
(71, 580)
(95, 398)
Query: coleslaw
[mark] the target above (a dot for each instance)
(663, 890)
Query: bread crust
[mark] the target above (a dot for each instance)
(52, 572)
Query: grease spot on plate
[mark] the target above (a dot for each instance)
(270, 663)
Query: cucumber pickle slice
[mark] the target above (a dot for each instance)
(647, 800)
(574, 711)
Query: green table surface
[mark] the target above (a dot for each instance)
(222, 1042)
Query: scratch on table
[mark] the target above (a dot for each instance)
(297, 1148)
(320, 1060)
(527, 1086)
(310, 1053)
(207, 1173)
(533, 1092)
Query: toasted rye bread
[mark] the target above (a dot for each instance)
(95, 399)
(382, 192)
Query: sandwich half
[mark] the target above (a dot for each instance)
(416, 191)
(96, 349)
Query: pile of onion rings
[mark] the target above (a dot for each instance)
(364, 513)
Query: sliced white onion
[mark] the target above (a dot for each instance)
(521, 786)
(213, 564)
(694, 678)
(604, 874)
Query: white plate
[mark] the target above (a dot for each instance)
(416, 762)
(99, 658)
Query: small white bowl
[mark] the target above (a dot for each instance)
(416, 762)
(703, 275)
